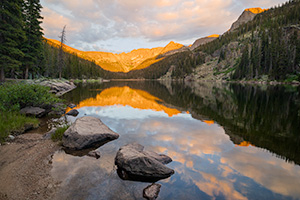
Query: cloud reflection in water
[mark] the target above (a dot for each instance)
(207, 164)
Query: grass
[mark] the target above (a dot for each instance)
(13, 97)
(13, 122)
(57, 136)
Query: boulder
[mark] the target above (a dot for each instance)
(33, 111)
(87, 132)
(151, 192)
(73, 112)
(133, 161)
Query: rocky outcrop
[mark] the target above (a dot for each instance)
(151, 192)
(203, 41)
(33, 111)
(58, 87)
(135, 162)
(87, 132)
(246, 16)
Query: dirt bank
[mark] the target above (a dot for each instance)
(25, 168)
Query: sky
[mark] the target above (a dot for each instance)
(123, 25)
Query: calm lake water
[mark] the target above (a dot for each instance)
(227, 141)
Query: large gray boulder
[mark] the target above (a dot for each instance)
(133, 161)
(33, 111)
(87, 132)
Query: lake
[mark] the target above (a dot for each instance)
(227, 141)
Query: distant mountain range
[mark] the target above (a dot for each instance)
(123, 62)
(143, 58)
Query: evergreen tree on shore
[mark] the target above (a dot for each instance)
(33, 46)
(11, 36)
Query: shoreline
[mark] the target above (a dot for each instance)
(25, 168)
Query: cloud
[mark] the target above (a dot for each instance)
(96, 21)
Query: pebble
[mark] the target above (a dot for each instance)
(11, 137)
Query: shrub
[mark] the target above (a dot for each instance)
(14, 96)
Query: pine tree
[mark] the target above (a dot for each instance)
(61, 52)
(33, 46)
(11, 35)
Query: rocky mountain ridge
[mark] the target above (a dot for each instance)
(123, 62)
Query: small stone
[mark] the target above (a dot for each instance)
(49, 133)
(11, 137)
(151, 192)
(73, 112)
(94, 154)
(72, 105)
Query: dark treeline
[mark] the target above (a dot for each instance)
(25, 54)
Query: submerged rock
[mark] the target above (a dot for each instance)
(135, 163)
(151, 192)
(73, 112)
(95, 154)
(33, 111)
(87, 132)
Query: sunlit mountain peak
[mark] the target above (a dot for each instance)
(256, 10)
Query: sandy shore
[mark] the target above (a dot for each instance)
(25, 168)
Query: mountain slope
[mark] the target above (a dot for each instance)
(203, 41)
(246, 16)
(123, 62)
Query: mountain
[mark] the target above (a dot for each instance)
(204, 40)
(123, 62)
(246, 16)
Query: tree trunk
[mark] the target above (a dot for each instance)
(2, 75)
(26, 72)
(60, 75)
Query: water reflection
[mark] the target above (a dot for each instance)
(221, 149)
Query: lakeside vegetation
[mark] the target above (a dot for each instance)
(15, 96)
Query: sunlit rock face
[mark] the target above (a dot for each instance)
(127, 96)
(247, 15)
(123, 62)
(204, 40)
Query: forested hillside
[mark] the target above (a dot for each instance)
(266, 48)
(24, 53)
